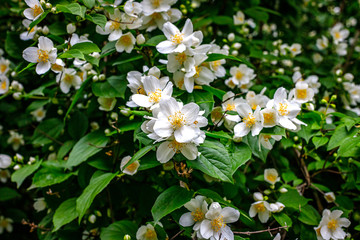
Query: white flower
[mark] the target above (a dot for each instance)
(30, 33)
(317, 58)
(318, 233)
(313, 83)
(198, 207)
(295, 49)
(276, 207)
(217, 67)
(4, 175)
(132, 168)
(338, 33)
(5, 223)
(177, 120)
(255, 100)
(106, 104)
(156, 6)
(264, 140)
(155, 91)
(177, 41)
(125, 43)
(146, 233)
(132, 8)
(286, 110)
(322, 43)
(35, 10)
(75, 39)
(271, 176)
(167, 150)
(114, 26)
(39, 204)
(331, 225)
(229, 104)
(341, 49)
(242, 74)
(16, 140)
(44, 55)
(58, 66)
(302, 93)
(239, 18)
(215, 224)
(329, 197)
(70, 28)
(251, 121)
(39, 114)
(158, 19)
(5, 161)
(4, 84)
(262, 208)
(4, 66)
(68, 78)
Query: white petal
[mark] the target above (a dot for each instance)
(185, 134)
(164, 153)
(243, 109)
(169, 106)
(339, 233)
(29, 13)
(163, 128)
(189, 151)
(30, 54)
(115, 35)
(45, 43)
(189, 84)
(264, 216)
(42, 67)
(65, 88)
(240, 130)
(186, 220)
(230, 214)
(188, 28)
(191, 112)
(141, 100)
(170, 30)
(205, 229)
(166, 47)
(286, 123)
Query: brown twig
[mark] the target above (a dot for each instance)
(47, 135)
(33, 226)
(180, 232)
(261, 231)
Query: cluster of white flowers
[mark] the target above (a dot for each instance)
(331, 225)
(339, 35)
(5, 162)
(209, 222)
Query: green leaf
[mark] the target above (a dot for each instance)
(77, 96)
(118, 230)
(47, 131)
(86, 47)
(114, 86)
(256, 148)
(319, 141)
(350, 147)
(49, 176)
(204, 99)
(37, 21)
(89, 3)
(132, 59)
(283, 219)
(64, 149)
(222, 20)
(78, 125)
(241, 155)
(169, 200)
(217, 92)
(257, 14)
(73, 8)
(309, 215)
(292, 199)
(20, 175)
(86, 147)
(214, 161)
(339, 136)
(152, 42)
(139, 154)
(98, 19)
(72, 53)
(65, 213)
(96, 185)
(219, 135)
(58, 29)
(217, 56)
(8, 194)
(14, 46)
(108, 49)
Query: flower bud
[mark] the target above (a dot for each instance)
(114, 116)
(60, 112)
(339, 80)
(17, 95)
(237, 46)
(168, 166)
(258, 196)
(45, 30)
(349, 77)
(102, 77)
(92, 218)
(267, 191)
(140, 39)
(95, 78)
(107, 131)
(88, 66)
(17, 167)
(127, 237)
(53, 9)
(70, 28)
(329, 197)
(235, 53)
(94, 126)
(48, 5)
(231, 37)
(283, 190)
(338, 72)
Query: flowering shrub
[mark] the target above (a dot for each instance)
(165, 119)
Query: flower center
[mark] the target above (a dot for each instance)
(239, 75)
(337, 35)
(266, 138)
(323, 44)
(217, 223)
(180, 83)
(132, 167)
(332, 224)
(56, 67)
(198, 215)
(271, 177)
(3, 85)
(115, 25)
(216, 65)
(68, 79)
(230, 107)
(126, 40)
(37, 10)
(3, 223)
(249, 120)
(177, 120)
(181, 58)
(155, 96)
(150, 234)
(156, 3)
(3, 68)
(40, 113)
(176, 147)
(141, 90)
(283, 109)
(3, 174)
(301, 93)
(260, 207)
(43, 56)
(269, 118)
(177, 38)
(198, 70)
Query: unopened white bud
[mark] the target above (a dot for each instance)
(258, 196)
(339, 80)
(60, 112)
(283, 190)
(226, 47)
(88, 66)
(42, 2)
(338, 72)
(95, 78)
(17, 167)
(114, 116)
(92, 218)
(231, 37)
(53, 9)
(125, 112)
(13, 74)
(235, 53)
(17, 95)
(107, 131)
(70, 28)
(19, 157)
(102, 77)
(94, 126)
(95, 54)
(48, 5)
(140, 39)
(267, 191)
(45, 30)
(349, 77)
(127, 237)
(237, 46)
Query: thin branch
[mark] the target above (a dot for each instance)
(47, 135)
(180, 232)
(261, 231)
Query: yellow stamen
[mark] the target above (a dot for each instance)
(177, 120)
(283, 109)
(56, 67)
(43, 56)
(266, 137)
(115, 25)
(216, 64)
(198, 70)
(249, 120)
(332, 224)
(198, 215)
(141, 90)
(155, 96)
(175, 146)
(3, 68)
(150, 234)
(301, 93)
(260, 207)
(156, 3)
(3, 85)
(126, 40)
(269, 118)
(217, 223)
(68, 78)
(337, 35)
(230, 107)
(181, 58)
(132, 167)
(239, 74)
(177, 38)
(37, 10)
(271, 177)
